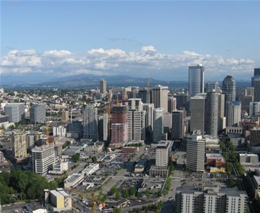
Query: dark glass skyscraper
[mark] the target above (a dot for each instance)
(196, 80)
(229, 88)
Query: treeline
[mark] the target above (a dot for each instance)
(24, 185)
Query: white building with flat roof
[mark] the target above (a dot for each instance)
(162, 154)
(43, 158)
(196, 152)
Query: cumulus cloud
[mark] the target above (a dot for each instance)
(116, 61)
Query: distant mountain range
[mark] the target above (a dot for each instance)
(92, 81)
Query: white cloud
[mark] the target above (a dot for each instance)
(116, 61)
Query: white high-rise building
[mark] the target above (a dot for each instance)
(103, 86)
(196, 80)
(157, 124)
(105, 126)
(233, 113)
(148, 116)
(160, 97)
(196, 152)
(43, 158)
(136, 119)
(162, 154)
(59, 131)
(90, 122)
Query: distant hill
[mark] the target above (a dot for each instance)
(92, 81)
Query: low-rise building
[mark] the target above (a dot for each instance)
(57, 200)
(73, 180)
(248, 158)
(216, 160)
(141, 165)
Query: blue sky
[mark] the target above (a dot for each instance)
(65, 38)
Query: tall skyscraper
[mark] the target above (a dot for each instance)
(197, 108)
(162, 154)
(196, 79)
(144, 94)
(196, 152)
(172, 104)
(177, 125)
(119, 126)
(90, 122)
(211, 85)
(257, 72)
(105, 127)
(103, 86)
(15, 111)
(221, 112)
(136, 119)
(160, 97)
(256, 85)
(229, 89)
(157, 124)
(182, 102)
(211, 113)
(254, 107)
(233, 113)
(38, 113)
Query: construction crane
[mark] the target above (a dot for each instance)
(47, 132)
(94, 199)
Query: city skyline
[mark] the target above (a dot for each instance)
(47, 39)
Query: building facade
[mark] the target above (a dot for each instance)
(157, 124)
(210, 199)
(256, 85)
(15, 111)
(233, 113)
(160, 97)
(90, 122)
(38, 113)
(136, 119)
(119, 126)
(177, 125)
(43, 158)
(197, 112)
(196, 80)
(162, 154)
(211, 113)
(196, 152)
(103, 86)
(19, 143)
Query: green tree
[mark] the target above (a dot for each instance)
(117, 210)
(75, 157)
(113, 190)
(147, 193)
(117, 195)
(160, 205)
(139, 195)
(126, 193)
(94, 159)
(132, 191)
